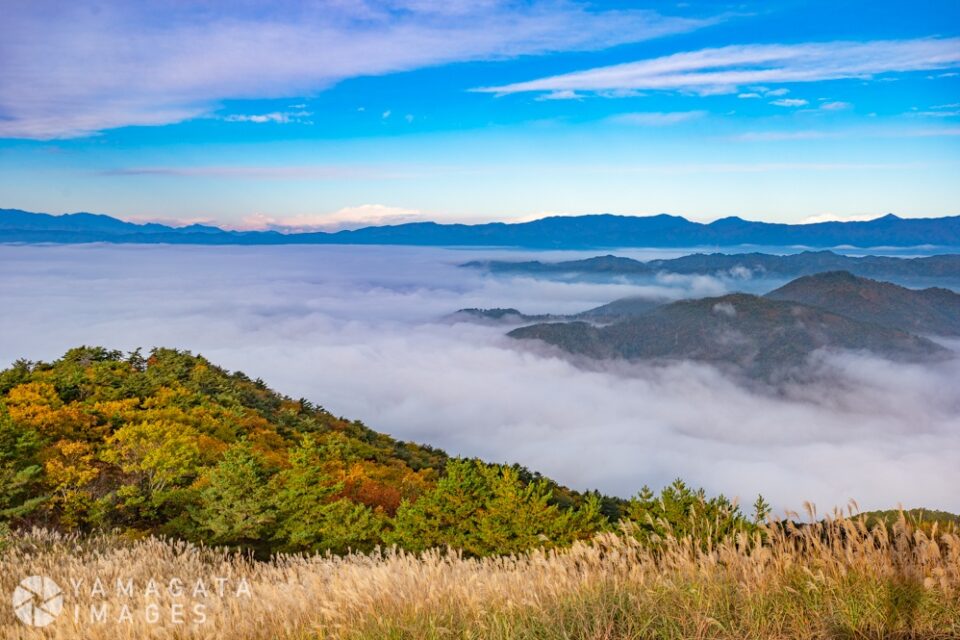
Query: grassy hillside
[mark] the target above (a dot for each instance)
(837, 579)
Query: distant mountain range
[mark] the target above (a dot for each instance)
(582, 232)
(764, 336)
(741, 264)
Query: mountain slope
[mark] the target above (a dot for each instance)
(171, 444)
(588, 231)
(759, 336)
(932, 311)
(621, 308)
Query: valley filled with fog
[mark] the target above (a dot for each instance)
(365, 332)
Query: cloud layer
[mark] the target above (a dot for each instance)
(71, 69)
(360, 330)
(728, 69)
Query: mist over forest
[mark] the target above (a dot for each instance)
(365, 332)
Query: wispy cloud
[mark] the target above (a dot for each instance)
(727, 69)
(71, 69)
(937, 113)
(776, 136)
(277, 117)
(656, 119)
(693, 168)
(560, 95)
(295, 172)
(833, 217)
(857, 132)
(789, 102)
(836, 105)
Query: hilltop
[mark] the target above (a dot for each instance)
(930, 311)
(759, 336)
(171, 444)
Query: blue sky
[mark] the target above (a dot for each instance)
(341, 113)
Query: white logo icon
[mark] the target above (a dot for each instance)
(37, 601)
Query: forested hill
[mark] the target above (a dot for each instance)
(583, 232)
(172, 444)
(739, 265)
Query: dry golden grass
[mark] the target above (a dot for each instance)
(834, 579)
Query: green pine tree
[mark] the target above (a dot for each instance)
(236, 505)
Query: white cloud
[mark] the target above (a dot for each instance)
(836, 105)
(861, 132)
(657, 119)
(925, 132)
(775, 136)
(936, 114)
(72, 69)
(834, 217)
(778, 92)
(560, 95)
(725, 69)
(278, 117)
(747, 96)
(266, 172)
(789, 102)
(347, 218)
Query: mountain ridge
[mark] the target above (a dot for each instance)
(933, 311)
(738, 265)
(586, 231)
(763, 336)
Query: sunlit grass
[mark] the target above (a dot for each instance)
(833, 579)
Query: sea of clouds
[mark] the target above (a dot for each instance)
(364, 332)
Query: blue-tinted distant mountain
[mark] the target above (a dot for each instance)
(24, 226)
(581, 232)
(743, 265)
